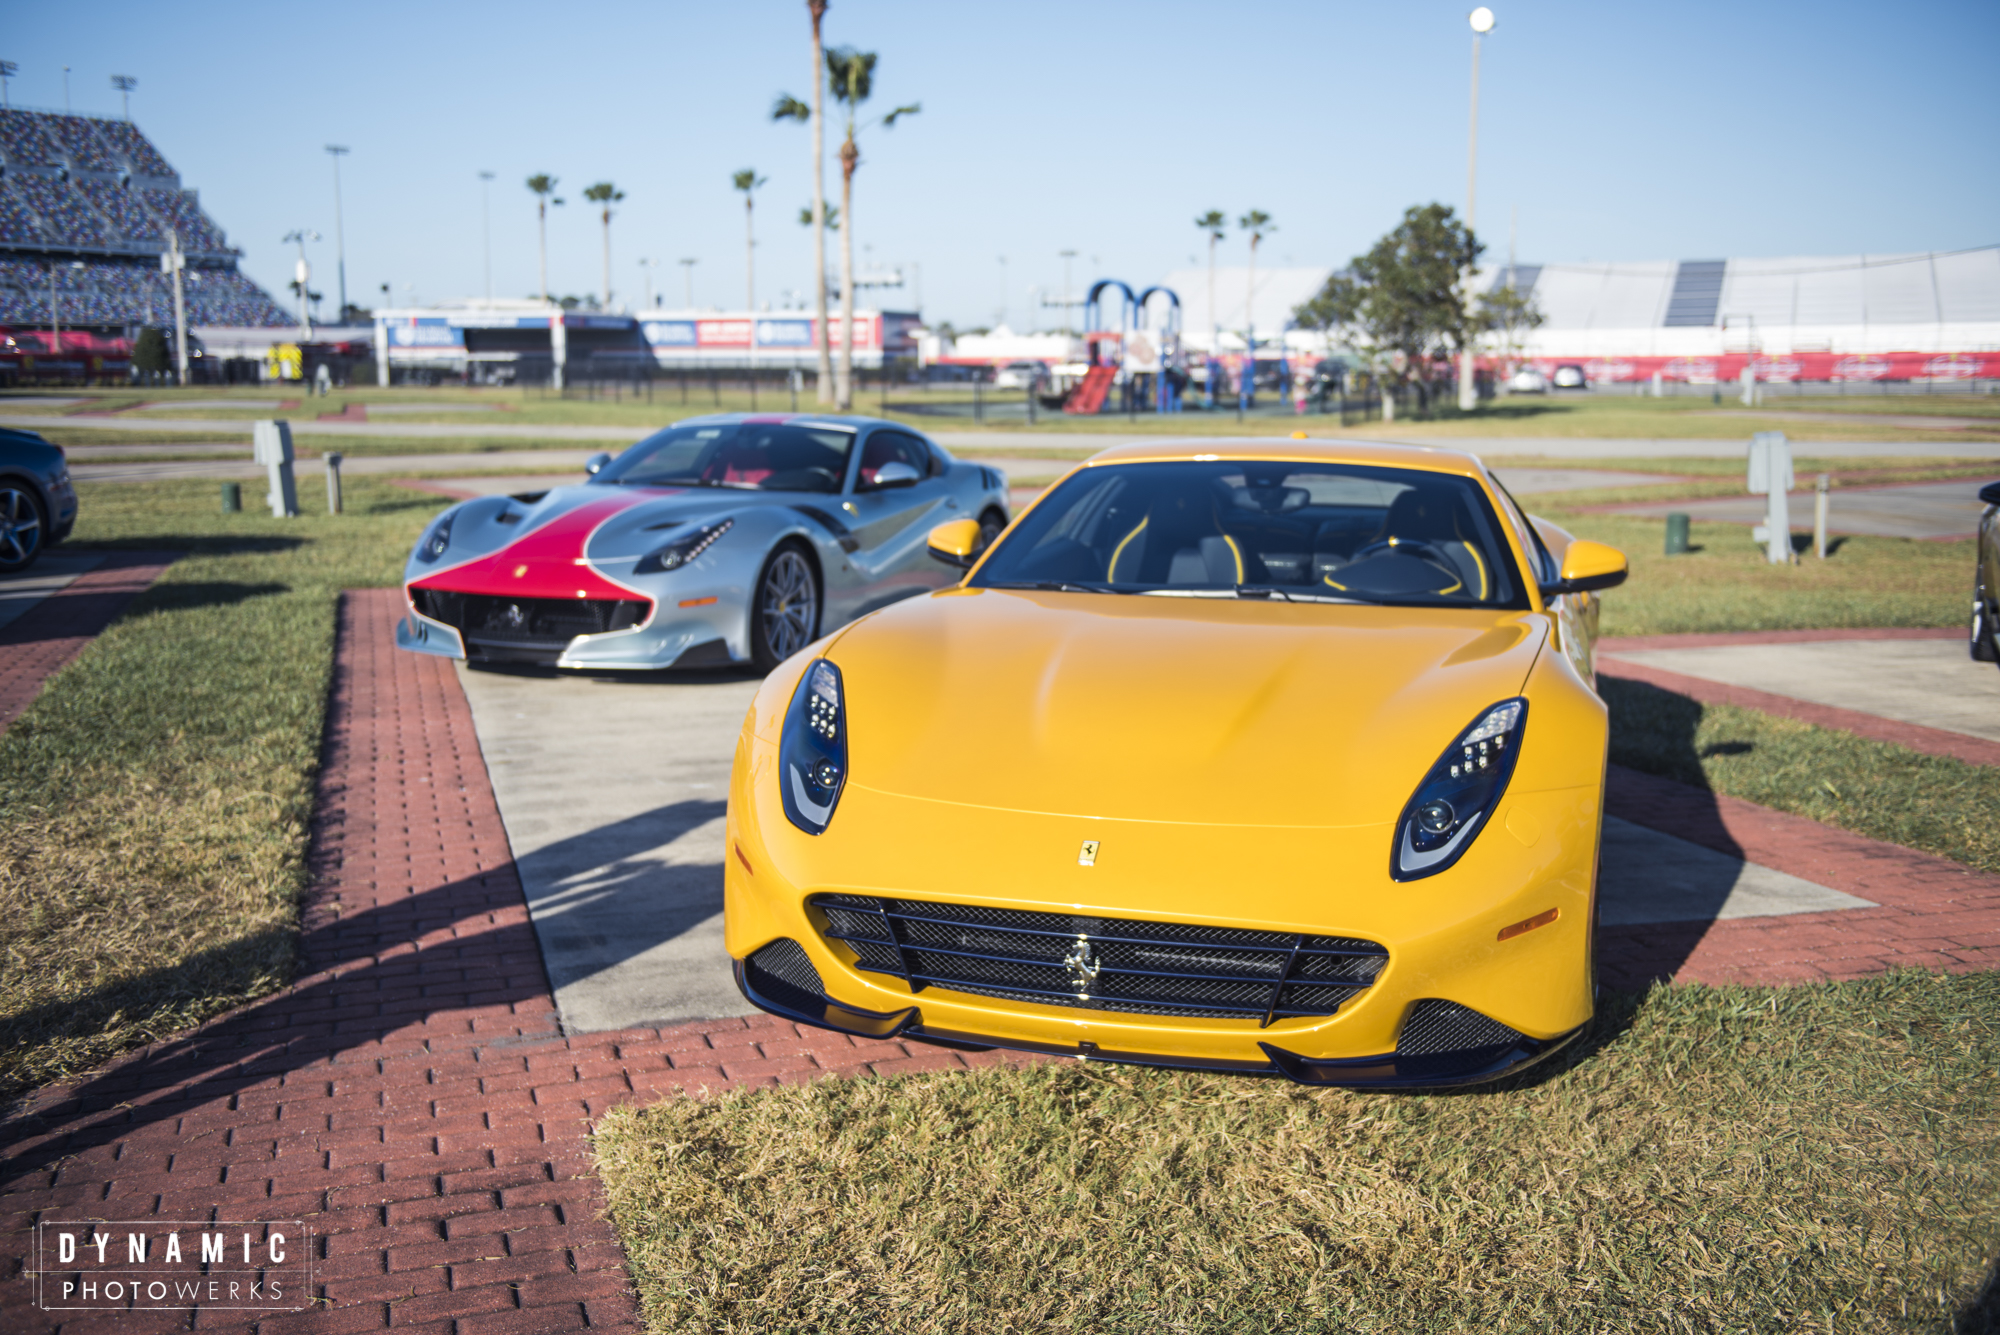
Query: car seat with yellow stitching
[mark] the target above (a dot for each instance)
(1181, 541)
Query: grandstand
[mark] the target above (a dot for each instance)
(85, 205)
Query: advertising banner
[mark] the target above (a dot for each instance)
(1784, 368)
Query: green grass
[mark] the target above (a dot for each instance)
(1728, 585)
(1711, 1159)
(1932, 803)
(154, 799)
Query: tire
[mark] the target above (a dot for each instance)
(991, 525)
(1985, 637)
(784, 609)
(24, 528)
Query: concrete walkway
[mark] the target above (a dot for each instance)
(1912, 510)
(1917, 689)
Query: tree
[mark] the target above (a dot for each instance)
(544, 186)
(747, 181)
(790, 108)
(149, 352)
(1259, 225)
(1510, 313)
(1401, 304)
(1216, 227)
(604, 194)
(851, 75)
(832, 217)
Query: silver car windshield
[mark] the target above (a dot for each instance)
(756, 456)
(1281, 530)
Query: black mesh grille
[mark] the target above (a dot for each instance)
(527, 623)
(1435, 1026)
(786, 959)
(1111, 964)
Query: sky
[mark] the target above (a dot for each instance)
(1606, 132)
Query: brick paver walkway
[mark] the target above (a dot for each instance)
(48, 635)
(411, 1098)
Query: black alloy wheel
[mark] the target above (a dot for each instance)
(784, 612)
(1985, 638)
(23, 528)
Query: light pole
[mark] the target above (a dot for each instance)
(646, 267)
(687, 277)
(65, 90)
(1003, 291)
(1067, 256)
(8, 69)
(125, 83)
(486, 226)
(1482, 23)
(303, 274)
(336, 152)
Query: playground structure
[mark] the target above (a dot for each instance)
(1140, 357)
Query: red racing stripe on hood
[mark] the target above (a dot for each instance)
(546, 562)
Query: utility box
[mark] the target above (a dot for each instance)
(1770, 475)
(271, 446)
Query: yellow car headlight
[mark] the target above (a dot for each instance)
(1452, 804)
(812, 749)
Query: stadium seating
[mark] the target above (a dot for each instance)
(17, 220)
(177, 210)
(90, 206)
(140, 226)
(21, 135)
(135, 148)
(61, 205)
(85, 149)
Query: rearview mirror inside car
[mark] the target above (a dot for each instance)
(956, 543)
(595, 463)
(1586, 566)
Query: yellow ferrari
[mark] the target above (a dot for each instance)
(1274, 758)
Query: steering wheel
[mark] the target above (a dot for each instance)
(1415, 547)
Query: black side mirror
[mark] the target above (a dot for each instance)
(1990, 493)
(595, 463)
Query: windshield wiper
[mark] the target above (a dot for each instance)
(1058, 586)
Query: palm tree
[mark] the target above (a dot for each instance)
(790, 108)
(1259, 225)
(1216, 226)
(832, 217)
(747, 181)
(605, 195)
(544, 185)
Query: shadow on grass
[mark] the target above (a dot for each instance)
(1981, 1316)
(198, 544)
(204, 593)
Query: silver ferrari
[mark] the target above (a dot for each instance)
(732, 538)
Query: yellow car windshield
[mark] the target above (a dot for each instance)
(1280, 529)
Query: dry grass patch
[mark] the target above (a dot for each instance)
(1729, 1159)
(154, 799)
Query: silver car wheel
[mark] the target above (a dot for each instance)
(20, 527)
(787, 604)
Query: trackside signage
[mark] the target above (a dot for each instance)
(149, 1264)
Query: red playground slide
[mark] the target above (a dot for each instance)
(1088, 397)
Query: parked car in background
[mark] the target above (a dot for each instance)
(1527, 380)
(1020, 375)
(1570, 376)
(37, 502)
(1986, 580)
(731, 538)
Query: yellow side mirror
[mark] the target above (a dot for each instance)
(956, 543)
(1586, 566)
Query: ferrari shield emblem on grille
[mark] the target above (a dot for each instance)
(1082, 965)
(1087, 855)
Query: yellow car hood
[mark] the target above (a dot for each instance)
(1201, 711)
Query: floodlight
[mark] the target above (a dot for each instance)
(1482, 20)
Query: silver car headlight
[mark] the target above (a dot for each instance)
(682, 549)
(435, 542)
(1456, 799)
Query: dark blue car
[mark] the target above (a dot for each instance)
(37, 502)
